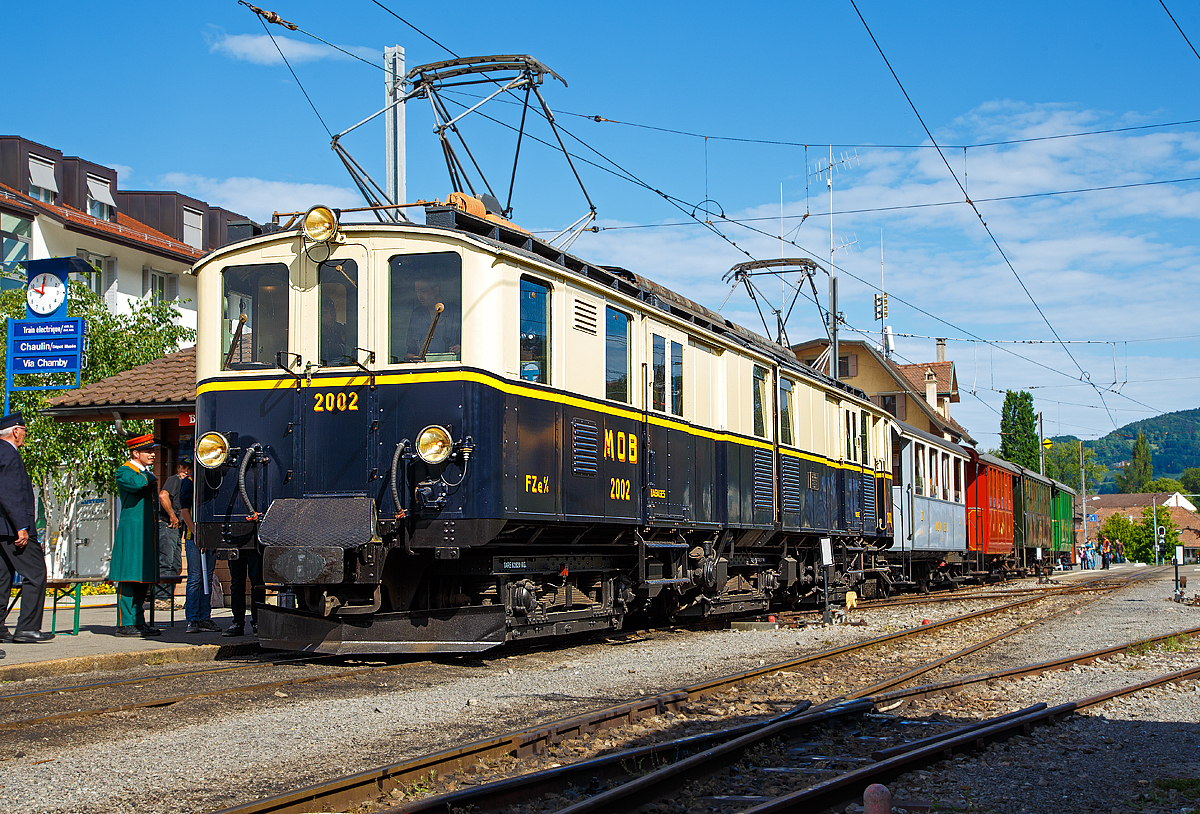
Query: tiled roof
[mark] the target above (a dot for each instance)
(1187, 522)
(902, 375)
(125, 228)
(946, 383)
(915, 389)
(1135, 501)
(165, 381)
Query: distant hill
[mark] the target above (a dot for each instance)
(1174, 440)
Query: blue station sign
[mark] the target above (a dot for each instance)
(46, 364)
(45, 329)
(43, 346)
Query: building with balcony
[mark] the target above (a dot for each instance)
(141, 243)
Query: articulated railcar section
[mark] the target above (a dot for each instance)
(554, 514)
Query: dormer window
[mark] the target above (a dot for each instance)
(42, 185)
(100, 201)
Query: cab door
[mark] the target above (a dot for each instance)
(337, 400)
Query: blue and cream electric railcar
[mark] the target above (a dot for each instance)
(449, 436)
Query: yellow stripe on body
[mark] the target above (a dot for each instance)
(513, 388)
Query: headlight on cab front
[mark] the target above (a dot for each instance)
(320, 224)
(434, 444)
(212, 450)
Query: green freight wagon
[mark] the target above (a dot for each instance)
(1031, 517)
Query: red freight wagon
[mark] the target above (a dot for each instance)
(990, 506)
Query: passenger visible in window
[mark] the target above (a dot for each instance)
(333, 334)
(446, 339)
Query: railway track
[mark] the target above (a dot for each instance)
(683, 763)
(380, 783)
(149, 696)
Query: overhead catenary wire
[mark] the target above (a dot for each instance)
(1177, 26)
(708, 223)
(978, 214)
(263, 19)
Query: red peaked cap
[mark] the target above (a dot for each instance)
(140, 442)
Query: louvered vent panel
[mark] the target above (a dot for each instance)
(586, 317)
(789, 484)
(763, 491)
(868, 500)
(585, 449)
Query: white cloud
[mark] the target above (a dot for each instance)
(124, 173)
(258, 198)
(1113, 265)
(261, 50)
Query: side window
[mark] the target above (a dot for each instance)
(785, 411)
(535, 331)
(864, 429)
(260, 293)
(919, 479)
(616, 355)
(676, 379)
(658, 386)
(945, 476)
(760, 401)
(417, 284)
(338, 284)
(849, 436)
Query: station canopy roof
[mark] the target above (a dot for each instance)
(164, 388)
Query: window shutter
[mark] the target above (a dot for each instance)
(901, 407)
(853, 366)
(145, 282)
(110, 281)
(876, 400)
(172, 287)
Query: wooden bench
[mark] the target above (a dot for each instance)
(59, 589)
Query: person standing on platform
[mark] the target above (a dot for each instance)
(170, 533)
(20, 551)
(248, 564)
(197, 607)
(134, 563)
(1105, 553)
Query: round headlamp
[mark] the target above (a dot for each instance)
(320, 224)
(212, 450)
(434, 444)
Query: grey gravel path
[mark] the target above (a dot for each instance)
(255, 750)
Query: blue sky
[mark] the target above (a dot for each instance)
(194, 97)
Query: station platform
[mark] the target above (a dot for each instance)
(95, 648)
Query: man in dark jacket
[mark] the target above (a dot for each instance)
(20, 551)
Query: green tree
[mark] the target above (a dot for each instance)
(1164, 485)
(1138, 535)
(1138, 473)
(1062, 464)
(1190, 480)
(1131, 534)
(1018, 430)
(65, 460)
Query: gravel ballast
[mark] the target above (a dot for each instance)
(175, 763)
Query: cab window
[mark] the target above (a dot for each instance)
(338, 283)
(260, 293)
(535, 331)
(417, 330)
(616, 355)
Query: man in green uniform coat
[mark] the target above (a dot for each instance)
(134, 564)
